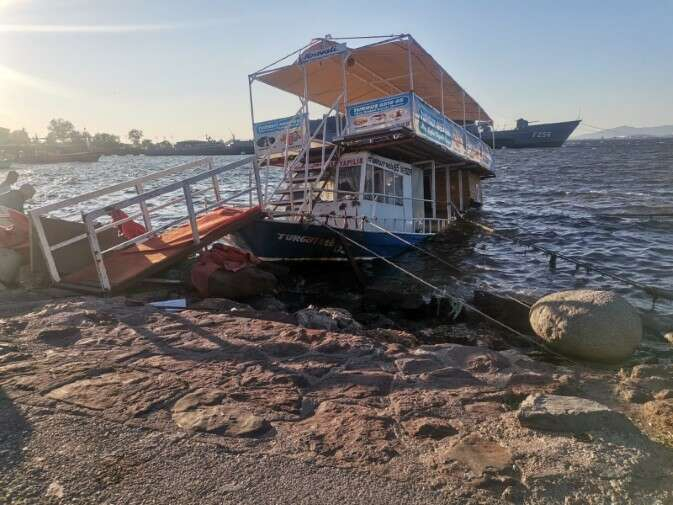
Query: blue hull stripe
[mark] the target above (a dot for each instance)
(278, 240)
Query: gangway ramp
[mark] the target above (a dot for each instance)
(178, 218)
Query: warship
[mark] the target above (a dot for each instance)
(527, 134)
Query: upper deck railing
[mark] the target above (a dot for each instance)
(411, 111)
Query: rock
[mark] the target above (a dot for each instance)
(10, 263)
(503, 309)
(328, 318)
(429, 427)
(481, 455)
(55, 490)
(393, 336)
(268, 304)
(223, 420)
(245, 283)
(592, 325)
(568, 414)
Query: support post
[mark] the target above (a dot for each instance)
(216, 189)
(186, 188)
(447, 176)
(460, 190)
(46, 248)
(307, 143)
(97, 255)
(143, 208)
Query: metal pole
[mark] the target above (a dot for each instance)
(192, 215)
(411, 69)
(46, 248)
(143, 208)
(448, 192)
(255, 165)
(307, 124)
(460, 189)
(411, 83)
(464, 121)
(345, 87)
(97, 255)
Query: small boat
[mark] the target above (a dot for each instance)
(48, 158)
(390, 164)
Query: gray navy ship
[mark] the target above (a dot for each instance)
(530, 135)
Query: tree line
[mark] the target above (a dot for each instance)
(61, 131)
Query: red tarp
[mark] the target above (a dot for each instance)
(219, 256)
(14, 230)
(130, 264)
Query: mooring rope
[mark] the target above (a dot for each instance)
(444, 292)
(654, 292)
(444, 262)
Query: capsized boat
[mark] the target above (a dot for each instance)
(387, 162)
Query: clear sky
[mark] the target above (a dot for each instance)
(177, 69)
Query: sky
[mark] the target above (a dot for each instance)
(178, 70)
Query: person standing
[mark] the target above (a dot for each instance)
(16, 198)
(10, 180)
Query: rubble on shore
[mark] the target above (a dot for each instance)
(448, 413)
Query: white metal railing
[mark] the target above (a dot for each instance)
(420, 225)
(142, 199)
(288, 175)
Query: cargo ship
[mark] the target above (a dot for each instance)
(530, 135)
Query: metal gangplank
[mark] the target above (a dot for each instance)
(182, 209)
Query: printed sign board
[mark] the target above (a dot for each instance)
(320, 52)
(272, 136)
(433, 125)
(379, 114)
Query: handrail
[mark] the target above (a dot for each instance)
(40, 211)
(148, 195)
(89, 218)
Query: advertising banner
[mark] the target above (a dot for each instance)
(379, 114)
(432, 125)
(272, 136)
(321, 52)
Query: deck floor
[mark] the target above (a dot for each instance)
(129, 265)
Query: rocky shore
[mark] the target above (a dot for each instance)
(114, 401)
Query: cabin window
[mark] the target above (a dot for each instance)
(383, 186)
(349, 182)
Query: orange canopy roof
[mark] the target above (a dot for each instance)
(374, 71)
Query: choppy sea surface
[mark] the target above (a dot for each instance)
(575, 199)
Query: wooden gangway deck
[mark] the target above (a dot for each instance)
(93, 254)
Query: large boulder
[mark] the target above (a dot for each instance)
(249, 282)
(591, 325)
(10, 264)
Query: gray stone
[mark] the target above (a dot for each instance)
(10, 263)
(591, 325)
(568, 414)
(429, 427)
(221, 419)
(328, 318)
